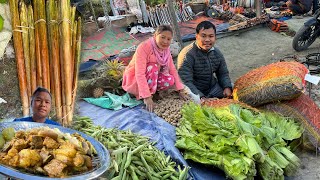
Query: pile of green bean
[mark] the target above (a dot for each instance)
(132, 155)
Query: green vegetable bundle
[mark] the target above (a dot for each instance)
(133, 156)
(238, 140)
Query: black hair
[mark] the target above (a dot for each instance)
(205, 25)
(162, 28)
(38, 90)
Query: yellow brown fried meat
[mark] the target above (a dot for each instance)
(48, 152)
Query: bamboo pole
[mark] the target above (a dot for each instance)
(43, 43)
(77, 61)
(73, 37)
(17, 41)
(32, 48)
(37, 45)
(66, 54)
(50, 70)
(25, 43)
(55, 55)
(63, 97)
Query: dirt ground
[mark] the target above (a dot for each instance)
(243, 52)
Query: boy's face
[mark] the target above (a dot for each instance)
(41, 105)
(206, 38)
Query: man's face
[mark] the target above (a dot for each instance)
(206, 38)
(41, 105)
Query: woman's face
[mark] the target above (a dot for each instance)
(41, 105)
(163, 39)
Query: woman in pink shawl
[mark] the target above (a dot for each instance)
(152, 69)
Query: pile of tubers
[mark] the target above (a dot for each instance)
(169, 106)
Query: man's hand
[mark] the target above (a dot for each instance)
(203, 99)
(227, 92)
(149, 103)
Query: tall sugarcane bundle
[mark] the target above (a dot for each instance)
(18, 47)
(47, 40)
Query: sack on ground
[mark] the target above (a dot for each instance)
(304, 110)
(271, 83)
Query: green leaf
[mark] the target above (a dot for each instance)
(286, 128)
(1, 22)
(2, 2)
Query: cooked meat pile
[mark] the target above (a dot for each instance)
(48, 152)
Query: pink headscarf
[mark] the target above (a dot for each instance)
(162, 55)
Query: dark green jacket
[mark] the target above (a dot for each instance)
(200, 70)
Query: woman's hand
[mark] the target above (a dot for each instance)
(183, 95)
(227, 92)
(149, 103)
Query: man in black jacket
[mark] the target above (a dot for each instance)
(202, 67)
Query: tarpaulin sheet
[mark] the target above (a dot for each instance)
(105, 43)
(147, 124)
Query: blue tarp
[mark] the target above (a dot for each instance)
(140, 121)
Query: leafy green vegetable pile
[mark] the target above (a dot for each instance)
(239, 141)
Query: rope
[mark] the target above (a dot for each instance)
(65, 20)
(16, 30)
(53, 22)
(40, 20)
(64, 117)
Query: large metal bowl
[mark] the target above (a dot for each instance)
(102, 162)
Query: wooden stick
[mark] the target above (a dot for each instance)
(25, 42)
(32, 48)
(43, 43)
(18, 48)
(66, 54)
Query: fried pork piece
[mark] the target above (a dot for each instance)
(45, 155)
(14, 161)
(12, 152)
(66, 149)
(87, 161)
(50, 143)
(33, 131)
(78, 161)
(36, 142)
(11, 158)
(65, 159)
(29, 158)
(20, 144)
(20, 134)
(55, 168)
